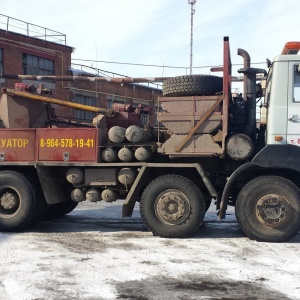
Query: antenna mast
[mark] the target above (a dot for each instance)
(192, 3)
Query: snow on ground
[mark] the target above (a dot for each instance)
(94, 254)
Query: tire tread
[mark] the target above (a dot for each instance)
(173, 234)
(192, 85)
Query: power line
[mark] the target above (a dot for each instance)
(158, 66)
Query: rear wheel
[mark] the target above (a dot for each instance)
(268, 209)
(172, 206)
(17, 201)
(208, 200)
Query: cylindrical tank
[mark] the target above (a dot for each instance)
(109, 195)
(93, 195)
(135, 134)
(126, 176)
(109, 155)
(77, 195)
(75, 175)
(142, 154)
(116, 134)
(125, 154)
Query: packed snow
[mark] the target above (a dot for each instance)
(95, 254)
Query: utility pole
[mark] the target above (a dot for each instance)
(192, 3)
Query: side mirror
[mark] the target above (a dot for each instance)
(268, 62)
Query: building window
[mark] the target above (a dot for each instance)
(1, 61)
(82, 114)
(35, 65)
(109, 103)
(144, 112)
(112, 99)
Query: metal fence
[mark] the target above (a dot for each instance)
(15, 25)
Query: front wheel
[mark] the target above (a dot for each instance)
(268, 209)
(172, 206)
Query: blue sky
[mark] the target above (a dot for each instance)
(157, 32)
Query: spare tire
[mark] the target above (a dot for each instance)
(192, 85)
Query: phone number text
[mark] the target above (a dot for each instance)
(66, 143)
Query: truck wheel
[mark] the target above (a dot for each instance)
(60, 209)
(17, 201)
(207, 201)
(41, 206)
(268, 209)
(192, 85)
(172, 206)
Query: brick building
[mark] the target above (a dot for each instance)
(22, 53)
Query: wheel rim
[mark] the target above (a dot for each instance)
(172, 207)
(273, 210)
(9, 202)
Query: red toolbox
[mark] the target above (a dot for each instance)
(17, 145)
(67, 144)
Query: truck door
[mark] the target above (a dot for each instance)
(293, 127)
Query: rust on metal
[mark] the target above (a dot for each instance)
(227, 79)
(68, 145)
(86, 78)
(216, 69)
(199, 123)
(226, 87)
(17, 145)
(57, 101)
(181, 114)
